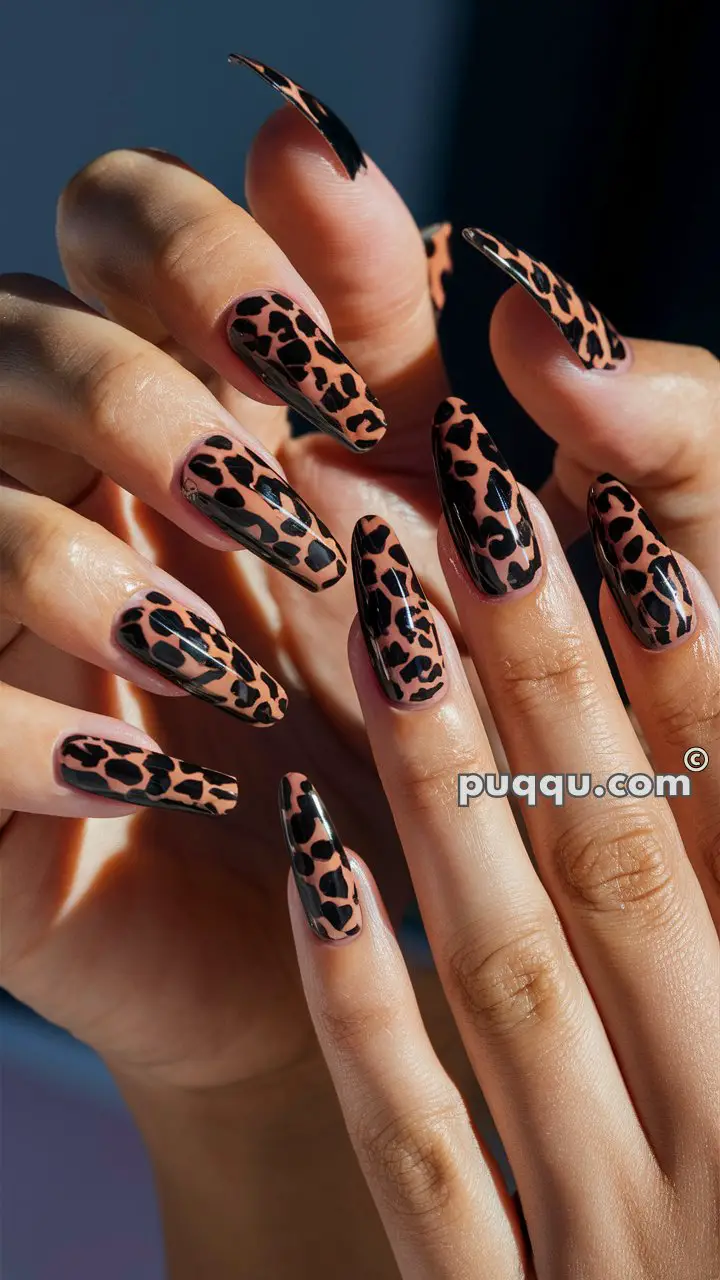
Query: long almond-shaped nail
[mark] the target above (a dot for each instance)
(288, 351)
(590, 334)
(484, 509)
(440, 264)
(335, 133)
(395, 616)
(236, 489)
(134, 775)
(638, 566)
(321, 867)
(192, 653)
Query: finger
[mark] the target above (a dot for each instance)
(372, 274)
(81, 383)
(528, 1023)
(439, 1197)
(654, 423)
(76, 764)
(83, 590)
(144, 227)
(615, 868)
(662, 622)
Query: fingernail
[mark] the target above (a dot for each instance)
(283, 345)
(236, 489)
(592, 337)
(335, 133)
(395, 617)
(322, 871)
(440, 264)
(192, 653)
(134, 775)
(638, 566)
(484, 509)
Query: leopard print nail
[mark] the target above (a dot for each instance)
(395, 616)
(483, 506)
(638, 566)
(301, 364)
(236, 489)
(134, 775)
(335, 133)
(440, 264)
(193, 654)
(589, 333)
(321, 867)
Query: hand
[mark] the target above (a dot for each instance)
(586, 992)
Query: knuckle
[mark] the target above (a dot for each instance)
(101, 174)
(617, 866)
(189, 249)
(519, 983)
(691, 706)
(412, 1158)
(557, 672)
(349, 1025)
(112, 380)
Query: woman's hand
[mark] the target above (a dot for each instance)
(586, 992)
(160, 940)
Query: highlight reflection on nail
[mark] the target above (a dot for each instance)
(236, 489)
(638, 566)
(134, 775)
(321, 867)
(195, 655)
(288, 351)
(590, 334)
(395, 616)
(483, 506)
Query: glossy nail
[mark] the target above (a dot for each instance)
(395, 616)
(590, 334)
(484, 509)
(322, 871)
(192, 653)
(236, 489)
(440, 264)
(285, 348)
(134, 775)
(638, 566)
(335, 133)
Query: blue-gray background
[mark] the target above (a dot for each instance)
(584, 133)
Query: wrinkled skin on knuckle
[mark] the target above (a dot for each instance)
(414, 1158)
(616, 865)
(555, 673)
(520, 983)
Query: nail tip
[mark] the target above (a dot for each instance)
(334, 130)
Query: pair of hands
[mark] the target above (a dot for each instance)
(165, 945)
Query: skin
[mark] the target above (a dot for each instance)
(202, 1019)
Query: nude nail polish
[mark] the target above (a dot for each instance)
(236, 489)
(189, 651)
(335, 133)
(395, 617)
(320, 864)
(483, 506)
(292, 355)
(638, 566)
(590, 334)
(134, 775)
